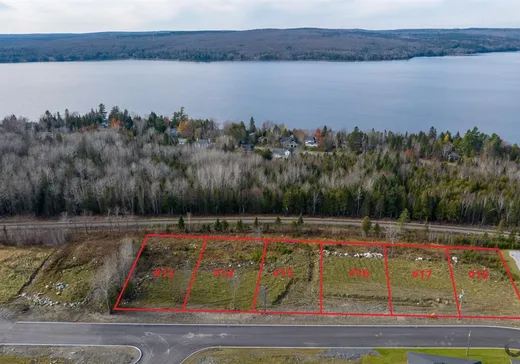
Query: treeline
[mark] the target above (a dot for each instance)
(71, 164)
(262, 44)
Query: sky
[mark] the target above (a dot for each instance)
(79, 16)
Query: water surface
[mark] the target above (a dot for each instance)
(454, 93)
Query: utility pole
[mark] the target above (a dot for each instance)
(469, 341)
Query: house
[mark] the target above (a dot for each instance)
(247, 147)
(420, 358)
(281, 153)
(311, 142)
(289, 142)
(262, 140)
(182, 141)
(203, 143)
(453, 157)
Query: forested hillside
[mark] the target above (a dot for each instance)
(262, 44)
(115, 162)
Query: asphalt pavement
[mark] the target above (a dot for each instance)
(165, 343)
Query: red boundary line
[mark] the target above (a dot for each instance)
(509, 273)
(178, 310)
(321, 242)
(131, 272)
(253, 305)
(284, 240)
(387, 273)
(453, 282)
(321, 278)
(194, 274)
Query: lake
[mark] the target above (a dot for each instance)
(450, 93)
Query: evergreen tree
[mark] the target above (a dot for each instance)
(278, 221)
(501, 226)
(404, 218)
(225, 225)
(180, 223)
(377, 229)
(240, 225)
(102, 112)
(218, 225)
(366, 225)
(252, 126)
(300, 220)
(255, 224)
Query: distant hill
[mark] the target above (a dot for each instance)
(262, 44)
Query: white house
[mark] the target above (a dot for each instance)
(311, 142)
(281, 153)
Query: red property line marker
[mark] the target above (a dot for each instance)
(194, 274)
(304, 313)
(315, 313)
(387, 272)
(453, 282)
(131, 271)
(253, 305)
(509, 273)
(321, 278)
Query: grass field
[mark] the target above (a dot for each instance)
(268, 355)
(17, 265)
(354, 284)
(290, 278)
(398, 356)
(227, 276)
(420, 281)
(354, 278)
(148, 290)
(18, 354)
(494, 295)
(312, 356)
(74, 264)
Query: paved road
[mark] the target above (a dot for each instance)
(173, 343)
(137, 223)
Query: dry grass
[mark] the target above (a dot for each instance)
(343, 292)
(17, 265)
(492, 296)
(76, 265)
(267, 355)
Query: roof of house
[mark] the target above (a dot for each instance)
(420, 358)
(280, 151)
(288, 139)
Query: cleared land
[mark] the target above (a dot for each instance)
(300, 277)
(354, 279)
(290, 278)
(227, 276)
(75, 265)
(163, 273)
(420, 281)
(316, 356)
(482, 277)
